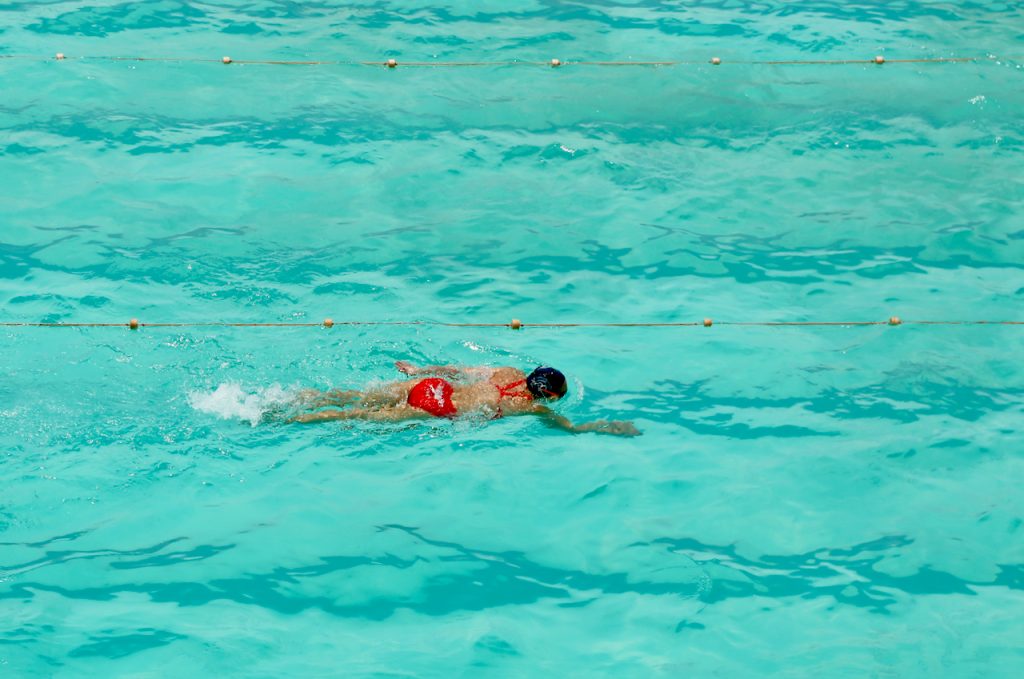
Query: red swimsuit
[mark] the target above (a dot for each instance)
(434, 395)
(508, 391)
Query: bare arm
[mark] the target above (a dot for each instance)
(553, 419)
(396, 414)
(322, 416)
(443, 370)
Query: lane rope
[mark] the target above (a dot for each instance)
(392, 63)
(514, 324)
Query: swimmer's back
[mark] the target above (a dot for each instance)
(505, 376)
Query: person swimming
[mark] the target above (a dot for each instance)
(452, 391)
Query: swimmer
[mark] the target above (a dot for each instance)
(494, 392)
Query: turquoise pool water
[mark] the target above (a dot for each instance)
(835, 502)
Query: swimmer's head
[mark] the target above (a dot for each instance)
(546, 383)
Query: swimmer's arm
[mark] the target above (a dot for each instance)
(553, 419)
(443, 370)
(384, 415)
(322, 416)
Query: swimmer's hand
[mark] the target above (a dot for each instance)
(614, 427)
(407, 368)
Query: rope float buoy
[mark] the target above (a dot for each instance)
(553, 62)
(514, 324)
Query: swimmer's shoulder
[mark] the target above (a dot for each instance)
(506, 375)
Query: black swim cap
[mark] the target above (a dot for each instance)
(546, 383)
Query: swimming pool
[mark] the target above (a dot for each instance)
(832, 501)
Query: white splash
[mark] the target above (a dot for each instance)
(437, 391)
(231, 401)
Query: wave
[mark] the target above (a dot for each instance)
(234, 401)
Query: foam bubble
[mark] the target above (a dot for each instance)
(232, 401)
